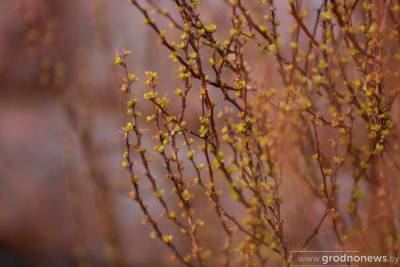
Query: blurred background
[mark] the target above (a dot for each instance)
(59, 102)
(62, 189)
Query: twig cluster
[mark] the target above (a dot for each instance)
(333, 111)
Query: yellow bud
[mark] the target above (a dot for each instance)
(186, 195)
(125, 164)
(153, 235)
(167, 238)
(118, 60)
(327, 15)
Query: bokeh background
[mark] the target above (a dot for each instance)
(57, 56)
(61, 111)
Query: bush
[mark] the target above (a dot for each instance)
(321, 125)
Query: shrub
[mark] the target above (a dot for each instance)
(329, 124)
